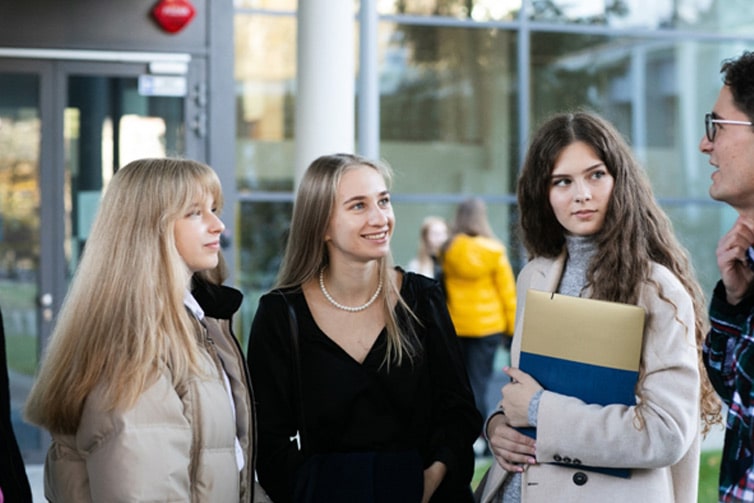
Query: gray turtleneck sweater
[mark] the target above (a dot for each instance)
(581, 249)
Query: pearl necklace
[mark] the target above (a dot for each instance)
(341, 306)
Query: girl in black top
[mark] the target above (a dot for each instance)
(376, 392)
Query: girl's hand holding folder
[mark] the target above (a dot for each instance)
(517, 395)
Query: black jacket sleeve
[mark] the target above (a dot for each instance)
(455, 422)
(13, 480)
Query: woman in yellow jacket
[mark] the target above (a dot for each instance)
(481, 293)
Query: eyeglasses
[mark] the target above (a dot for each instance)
(711, 129)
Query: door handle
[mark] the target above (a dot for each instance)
(45, 302)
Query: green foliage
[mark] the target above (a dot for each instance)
(481, 466)
(709, 471)
(22, 353)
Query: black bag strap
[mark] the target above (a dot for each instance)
(296, 367)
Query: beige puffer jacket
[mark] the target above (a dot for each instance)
(173, 445)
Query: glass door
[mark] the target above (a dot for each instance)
(110, 120)
(66, 126)
(24, 317)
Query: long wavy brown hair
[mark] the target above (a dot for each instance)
(636, 231)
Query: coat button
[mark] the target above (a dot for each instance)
(580, 478)
(576, 461)
(567, 460)
(557, 458)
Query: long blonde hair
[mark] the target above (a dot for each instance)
(306, 251)
(123, 319)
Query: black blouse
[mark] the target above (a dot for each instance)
(425, 404)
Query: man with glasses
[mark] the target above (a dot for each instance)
(729, 348)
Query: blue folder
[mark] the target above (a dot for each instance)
(586, 348)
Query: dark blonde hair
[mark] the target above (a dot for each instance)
(636, 231)
(123, 319)
(471, 218)
(306, 252)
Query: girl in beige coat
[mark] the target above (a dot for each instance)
(143, 387)
(593, 229)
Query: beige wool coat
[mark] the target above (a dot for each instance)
(663, 455)
(173, 445)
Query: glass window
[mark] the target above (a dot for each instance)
(262, 228)
(733, 16)
(265, 74)
(478, 10)
(447, 108)
(267, 4)
(646, 88)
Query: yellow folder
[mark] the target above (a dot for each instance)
(596, 332)
(586, 348)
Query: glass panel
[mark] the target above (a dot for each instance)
(265, 73)
(655, 92)
(107, 124)
(267, 4)
(262, 230)
(479, 10)
(698, 227)
(19, 238)
(728, 16)
(448, 108)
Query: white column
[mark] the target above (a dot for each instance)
(325, 82)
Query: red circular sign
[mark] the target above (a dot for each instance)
(173, 15)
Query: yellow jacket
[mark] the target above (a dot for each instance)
(480, 286)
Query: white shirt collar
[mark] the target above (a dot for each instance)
(190, 302)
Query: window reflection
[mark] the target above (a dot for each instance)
(265, 73)
(659, 14)
(266, 4)
(478, 10)
(262, 229)
(447, 106)
(640, 86)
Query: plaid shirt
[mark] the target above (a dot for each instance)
(729, 358)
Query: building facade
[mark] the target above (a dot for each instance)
(462, 83)
(446, 91)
